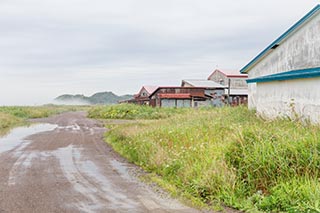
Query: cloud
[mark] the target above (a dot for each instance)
(94, 45)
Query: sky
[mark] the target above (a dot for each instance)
(54, 47)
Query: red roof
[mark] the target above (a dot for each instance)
(150, 89)
(230, 73)
(175, 96)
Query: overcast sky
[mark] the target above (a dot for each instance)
(52, 47)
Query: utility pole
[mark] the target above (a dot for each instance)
(229, 83)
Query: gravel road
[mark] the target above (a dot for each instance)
(61, 164)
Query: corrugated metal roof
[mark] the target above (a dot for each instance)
(175, 96)
(291, 75)
(179, 87)
(203, 83)
(281, 39)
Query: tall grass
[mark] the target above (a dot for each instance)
(229, 156)
(131, 111)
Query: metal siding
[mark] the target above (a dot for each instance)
(183, 103)
(168, 103)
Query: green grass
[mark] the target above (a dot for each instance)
(131, 111)
(11, 116)
(8, 120)
(228, 156)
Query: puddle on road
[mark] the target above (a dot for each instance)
(16, 137)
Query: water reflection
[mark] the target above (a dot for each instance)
(5, 131)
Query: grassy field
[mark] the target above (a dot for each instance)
(11, 116)
(224, 156)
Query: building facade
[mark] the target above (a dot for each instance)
(284, 79)
(238, 94)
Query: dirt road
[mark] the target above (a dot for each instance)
(63, 165)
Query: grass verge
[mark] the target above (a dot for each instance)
(228, 156)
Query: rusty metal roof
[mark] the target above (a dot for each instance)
(179, 87)
(175, 96)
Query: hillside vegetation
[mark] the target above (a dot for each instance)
(105, 98)
(226, 156)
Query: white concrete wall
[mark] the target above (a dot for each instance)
(290, 99)
(300, 51)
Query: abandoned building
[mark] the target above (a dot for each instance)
(187, 97)
(284, 79)
(236, 81)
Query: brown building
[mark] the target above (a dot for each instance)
(187, 97)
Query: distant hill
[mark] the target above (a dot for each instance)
(97, 98)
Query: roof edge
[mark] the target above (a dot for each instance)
(298, 24)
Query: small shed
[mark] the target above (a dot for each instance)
(284, 79)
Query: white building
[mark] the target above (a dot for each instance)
(284, 79)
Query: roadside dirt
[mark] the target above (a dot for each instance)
(63, 165)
